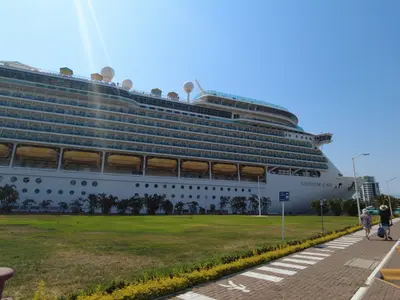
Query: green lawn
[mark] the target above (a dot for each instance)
(73, 252)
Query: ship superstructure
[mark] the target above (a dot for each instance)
(64, 137)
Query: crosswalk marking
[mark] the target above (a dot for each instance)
(336, 247)
(318, 254)
(324, 250)
(262, 276)
(293, 266)
(307, 257)
(350, 239)
(193, 296)
(300, 261)
(341, 243)
(276, 270)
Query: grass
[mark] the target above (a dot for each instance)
(73, 252)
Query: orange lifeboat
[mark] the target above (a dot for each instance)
(37, 153)
(4, 151)
(224, 168)
(161, 163)
(252, 170)
(199, 166)
(75, 156)
(123, 160)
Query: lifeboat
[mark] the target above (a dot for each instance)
(81, 157)
(252, 170)
(224, 168)
(123, 160)
(4, 151)
(199, 166)
(37, 153)
(161, 163)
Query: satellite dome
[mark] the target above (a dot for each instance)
(107, 73)
(127, 84)
(188, 87)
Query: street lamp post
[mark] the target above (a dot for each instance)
(355, 184)
(259, 198)
(390, 202)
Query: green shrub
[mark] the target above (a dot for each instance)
(336, 206)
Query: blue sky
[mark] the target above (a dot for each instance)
(333, 63)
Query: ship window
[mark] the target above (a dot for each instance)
(146, 185)
(173, 186)
(164, 186)
(38, 180)
(220, 198)
(172, 196)
(190, 196)
(198, 196)
(84, 183)
(213, 197)
(146, 195)
(72, 182)
(190, 187)
(26, 179)
(235, 189)
(249, 190)
(206, 188)
(83, 193)
(24, 190)
(49, 191)
(94, 183)
(60, 192)
(198, 187)
(182, 196)
(182, 187)
(137, 184)
(13, 179)
(71, 192)
(156, 186)
(242, 190)
(136, 195)
(214, 188)
(222, 189)
(37, 191)
(229, 189)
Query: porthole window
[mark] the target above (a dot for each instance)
(83, 193)
(71, 192)
(242, 190)
(249, 190)
(72, 182)
(37, 191)
(182, 196)
(229, 189)
(48, 191)
(222, 189)
(60, 192)
(38, 180)
(146, 185)
(220, 198)
(136, 195)
(190, 187)
(13, 179)
(173, 186)
(26, 179)
(213, 197)
(182, 187)
(190, 196)
(84, 183)
(213, 188)
(156, 186)
(206, 188)
(198, 196)
(146, 195)
(172, 196)
(137, 184)
(94, 183)
(235, 189)
(164, 186)
(24, 190)
(198, 187)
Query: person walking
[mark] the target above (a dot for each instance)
(384, 214)
(366, 222)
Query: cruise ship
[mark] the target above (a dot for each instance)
(64, 137)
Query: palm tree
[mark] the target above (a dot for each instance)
(44, 205)
(253, 203)
(76, 205)
(106, 202)
(265, 205)
(93, 203)
(63, 206)
(238, 204)
(153, 203)
(179, 207)
(223, 202)
(136, 204)
(27, 203)
(192, 206)
(8, 197)
(212, 209)
(123, 205)
(167, 207)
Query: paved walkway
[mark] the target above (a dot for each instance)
(334, 270)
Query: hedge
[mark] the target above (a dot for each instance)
(163, 286)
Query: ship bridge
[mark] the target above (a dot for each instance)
(247, 110)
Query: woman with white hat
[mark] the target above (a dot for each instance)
(385, 220)
(366, 222)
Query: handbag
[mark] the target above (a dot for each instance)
(381, 231)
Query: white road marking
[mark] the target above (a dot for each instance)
(318, 254)
(336, 247)
(300, 261)
(293, 266)
(307, 257)
(233, 286)
(324, 250)
(193, 296)
(340, 243)
(278, 271)
(350, 239)
(262, 276)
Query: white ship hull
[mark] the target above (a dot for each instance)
(206, 192)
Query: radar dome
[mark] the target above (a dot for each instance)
(107, 73)
(188, 87)
(127, 84)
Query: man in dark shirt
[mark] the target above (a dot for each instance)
(384, 213)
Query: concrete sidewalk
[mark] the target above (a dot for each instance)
(334, 270)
